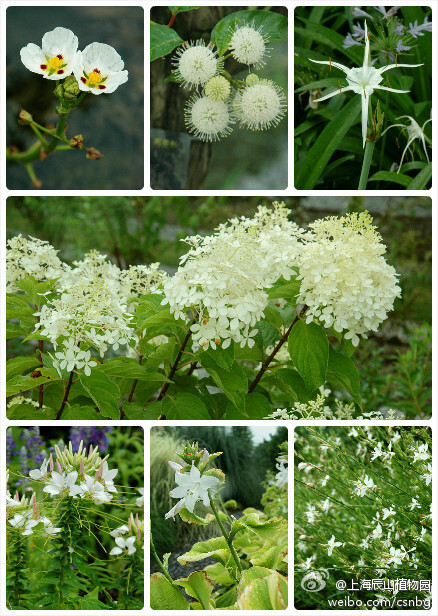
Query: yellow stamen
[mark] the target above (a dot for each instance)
(330, 63)
(94, 78)
(387, 79)
(54, 63)
(339, 84)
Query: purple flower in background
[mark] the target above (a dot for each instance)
(91, 436)
(10, 447)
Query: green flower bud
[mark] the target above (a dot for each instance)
(252, 79)
(59, 91)
(76, 142)
(24, 118)
(62, 111)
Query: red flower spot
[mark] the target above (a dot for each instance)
(83, 80)
(59, 72)
(43, 66)
(101, 87)
(96, 70)
(60, 56)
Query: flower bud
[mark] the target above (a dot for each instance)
(174, 465)
(76, 142)
(71, 88)
(24, 118)
(51, 462)
(59, 467)
(59, 91)
(252, 79)
(93, 154)
(62, 111)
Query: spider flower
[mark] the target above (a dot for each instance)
(414, 132)
(54, 59)
(99, 69)
(363, 80)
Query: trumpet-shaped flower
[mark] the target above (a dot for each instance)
(332, 544)
(414, 132)
(54, 59)
(191, 487)
(124, 545)
(99, 68)
(363, 80)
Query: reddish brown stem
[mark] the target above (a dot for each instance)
(172, 19)
(176, 362)
(134, 385)
(41, 387)
(67, 391)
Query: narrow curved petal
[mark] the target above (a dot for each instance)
(393, 126)
(386, 68)
(335, 64)
(365, 102)
(404, 152)
(334, 93)
(366, 55)
(391, 89)
(424, 148)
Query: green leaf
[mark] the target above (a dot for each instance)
(391, 176)
(19, 384)
(192, 518)
(164, 596)
(199, 586)
(80, 412)
(233, 382)
(262, 528)
(310, 170)
(163, 41)
(35, 289)
(421, 180)
(136, 411)
(309, 350)
(184, 406)
(13, 330)
(18, 365)
(289, 381)
(103, 391)
(285, 289)
(216, 548)
(273, 317)
(342, 371)
(129, 368)
(257, 407)
(181, 9)
(272, 24)
(29, 412)
(262, 589)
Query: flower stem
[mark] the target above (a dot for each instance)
(280, 343)
(67, 391)
(366, 164)
(224, 532)
(175, 365)
(134, 385)
(160, 564)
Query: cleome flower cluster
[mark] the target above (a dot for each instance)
(98, 68)
(220, 101)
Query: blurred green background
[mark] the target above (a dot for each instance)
(394, 364)
(111, 123)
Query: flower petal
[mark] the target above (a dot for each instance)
(329, 63)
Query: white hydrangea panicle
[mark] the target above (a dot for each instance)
(208, 119)
(54, 59)
(345, 280)
(93, 267)
(248, 45)
(99, 69)
(220, 281)
(196, 63)
(31, 257)
(259, 106)
(141, 280)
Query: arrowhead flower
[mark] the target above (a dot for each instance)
(54, 59)
(363, 80)
(414, 132)
(99, 69)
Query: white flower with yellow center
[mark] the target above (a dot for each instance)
(54, 59)
(196, 63)
(248, 45)
(259, 106)
(99, 69)
(415, 131)
(363, 80)
(208, 119)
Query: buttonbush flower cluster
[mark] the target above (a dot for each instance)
(251, 552)
(362, 512)
(72, 491)
(219, 100)
(97, 69)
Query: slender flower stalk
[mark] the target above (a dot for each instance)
(225, 534)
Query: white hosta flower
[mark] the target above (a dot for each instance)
(40, 473)
(332, 544)
(196, 63)
(208, 119)
(54, 59)
(99, 69)
(30, 257)
(94, 490)
(62, 484)
(259, 106)
(121, 530)
(363, 485)
(140, 500)
(192, 486)
(363, 80)
(414, 132)
(248, 45)
(24, 522)
(346, 281)
(124, 545)
(218, 88)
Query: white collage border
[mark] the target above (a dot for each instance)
(146, 191)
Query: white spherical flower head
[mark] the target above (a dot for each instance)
(99, 69)
(196, 63)
(209, 120)
(218, 88)
(248, 45)
(260, 106)
(54, 59)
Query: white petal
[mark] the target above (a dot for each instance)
(32, 57)
(115, 551)
(101, 56)
(365, 102)
(60, 41)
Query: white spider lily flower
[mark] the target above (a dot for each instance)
(99, 69)
(94, 490)
(62, 484)
(332, 544)
(357, 12)
(24, 521)
(414, 132)
(40, 473)
(363, 80)
(191, 487)
(124, 545)
(54, 59)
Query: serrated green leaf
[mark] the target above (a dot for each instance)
(103, 391)
(309, 350)
(18, 365)
(80, 412)
(233, 383)
(342, 371)
(216, 548)
(163, 40)
(184, 406)
(199, 586)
